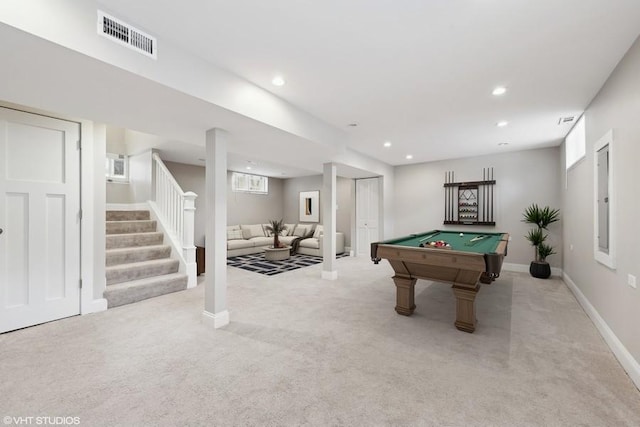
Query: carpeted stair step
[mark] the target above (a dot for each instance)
(136, 254)
(122, 227)
(133, 239)
(140, 270)
(128, 215)
(138, 290)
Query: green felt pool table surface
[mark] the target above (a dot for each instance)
(487, 244)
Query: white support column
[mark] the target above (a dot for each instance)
(215, 291)
(188, 235)
(329, 207)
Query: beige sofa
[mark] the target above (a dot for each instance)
(252, 238)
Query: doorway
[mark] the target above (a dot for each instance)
(39, 219)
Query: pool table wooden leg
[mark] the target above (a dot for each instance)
(465, 307)
(405, 291)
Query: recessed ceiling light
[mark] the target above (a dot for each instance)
(502, 124)
(387, 144)
(409, 157)
(500, 90)
(278, 81)
(248, 168)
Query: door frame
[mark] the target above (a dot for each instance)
(92, 205)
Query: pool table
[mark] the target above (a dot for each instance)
(469, 258)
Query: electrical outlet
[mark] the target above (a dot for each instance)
(631, 280)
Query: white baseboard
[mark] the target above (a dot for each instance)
(619, 350)
(94, 306)
(523, 268)
(216, 320)
(127, 206)
(330, 275)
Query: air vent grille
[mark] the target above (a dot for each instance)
(125, 34)
(565, 120)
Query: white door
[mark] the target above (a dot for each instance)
(367, 214)
(39, 218)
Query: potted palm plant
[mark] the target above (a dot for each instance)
(541, 217)
(276, 226)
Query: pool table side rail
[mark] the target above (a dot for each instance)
(433, 256)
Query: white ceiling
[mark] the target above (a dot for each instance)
(418, 73)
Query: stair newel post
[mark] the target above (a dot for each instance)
(188, 227)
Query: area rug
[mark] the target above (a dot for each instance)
(257, 263)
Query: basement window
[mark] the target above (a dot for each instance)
(117, 168)
(246, 183)
(575, 143)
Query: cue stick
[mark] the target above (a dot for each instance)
(451, 197)
(484, 195)
(445, 196)
(491, 195)
(428, 237)
(452, 194)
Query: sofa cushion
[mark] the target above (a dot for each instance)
(261, 241)
(284, 232)
(287, 240)
(239, 244)
(252, 230)
(233, 227)
(234, 234)
(318, 232)
(310, 243)
(290, 228)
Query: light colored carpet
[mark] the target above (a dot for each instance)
(303, 351)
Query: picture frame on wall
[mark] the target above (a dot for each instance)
(310, 206)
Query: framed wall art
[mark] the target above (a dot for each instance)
(309, 206)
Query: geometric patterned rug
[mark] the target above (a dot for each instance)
(257, 263)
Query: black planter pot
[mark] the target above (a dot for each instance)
(540, 269)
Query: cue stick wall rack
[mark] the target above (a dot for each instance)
(469, 203)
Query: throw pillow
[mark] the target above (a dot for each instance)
(284, 232)
(234, 235)
(300, 231)
(318, 231)
(252, 230)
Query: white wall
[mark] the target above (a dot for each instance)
(141, 176)
(242, 208)
(344, 197)
(522, 178)
(617, 107)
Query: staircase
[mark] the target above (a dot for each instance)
(137, 263)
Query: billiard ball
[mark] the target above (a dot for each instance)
(461, 234)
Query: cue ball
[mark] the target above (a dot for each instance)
(461, 234)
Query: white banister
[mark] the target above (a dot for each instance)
(176, 210)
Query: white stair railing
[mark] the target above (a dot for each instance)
(176, 211)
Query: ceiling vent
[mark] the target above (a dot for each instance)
(565, 120)
(126, 35)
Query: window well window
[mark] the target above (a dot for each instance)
(575, 143)
(117, 167)
(244, 182)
